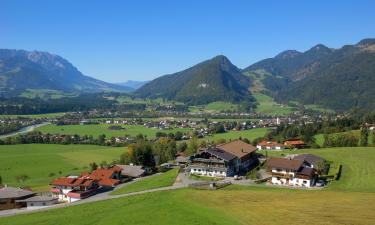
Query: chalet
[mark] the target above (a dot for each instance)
(269, 145)
(9, 197)
(224, 160)
(243, 151)
(294, 143)
(73, 188)
(302, 170)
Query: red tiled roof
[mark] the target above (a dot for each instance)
(64, 181)
(294, 142)
(269, 143)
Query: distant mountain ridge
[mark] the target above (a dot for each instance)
(22, 70)
(216, 79)
(133, 84)
(335, 78)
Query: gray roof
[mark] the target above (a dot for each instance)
(38, 199)
(12, 192)
(131, 171)
(310, 158)
(181, 159)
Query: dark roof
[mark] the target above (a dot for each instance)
(307, 171)
(284, 163)
(220, 153)
(238, 148)
(12, 192)
(38, 199)
(309, 158)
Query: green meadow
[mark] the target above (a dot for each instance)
(36, 116)
(250, 134)
(152, 182)
(269, 107)
(98, 129)
(41, 162)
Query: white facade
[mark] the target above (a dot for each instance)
(209, 173)
(289, 179)
(42, 204)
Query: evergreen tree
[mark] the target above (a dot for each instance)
(364, 136)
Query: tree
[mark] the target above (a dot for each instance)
(93, 166)
(101, 139)
(364, 137)
(178, 136)
(1, 180)
(192, 146)
(373, 137)
(182, 147)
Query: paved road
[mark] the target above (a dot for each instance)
(24, 130)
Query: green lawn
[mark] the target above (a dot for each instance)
(232, 206)
(231, 135)
(152, 182)
(98, 129)
(38, 161)
(268, 106)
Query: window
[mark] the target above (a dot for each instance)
(31, 204)
(44, 203)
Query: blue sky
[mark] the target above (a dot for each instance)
(140, 40)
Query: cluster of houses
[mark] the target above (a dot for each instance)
(70, 188)
(235, 158)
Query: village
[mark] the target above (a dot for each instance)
(233, 162)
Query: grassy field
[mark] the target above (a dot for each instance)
(42, 162)
(156, 181)
(268, 106)
(319, 138)
(231, 135)
(347, 201)
(232, 206)
(46, 115)
(98, 129)
(220, 106)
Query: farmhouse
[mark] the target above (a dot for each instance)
(302, 170)
(73, 188)
(269, 145)
(9, 197)
(227, 159)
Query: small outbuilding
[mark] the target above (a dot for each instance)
(39, 201)
(9, 197)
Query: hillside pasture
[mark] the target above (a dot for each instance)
(250, 134)
(269, 107)
(43, 162)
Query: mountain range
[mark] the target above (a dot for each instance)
(338, 79)
(133, 84)
(34, 70)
